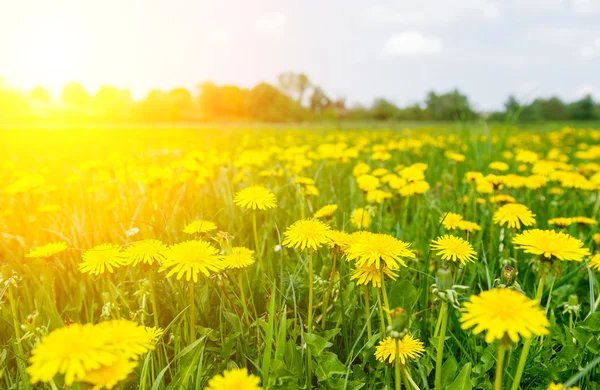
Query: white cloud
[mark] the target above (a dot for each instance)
(411, 44)
(433, 12)
(269, 23)
(585, 90)
(591, 50)
(585, 7)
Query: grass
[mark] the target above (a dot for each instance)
(92, 186)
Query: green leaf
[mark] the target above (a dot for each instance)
(328, 364)
(403, 294)
(463, 380)
(449, 370)
(592, 323)
(317, 344)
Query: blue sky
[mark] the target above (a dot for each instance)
(355, 49)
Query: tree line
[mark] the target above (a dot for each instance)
(293, 99)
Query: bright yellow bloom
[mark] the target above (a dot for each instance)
(513, 215)
(109, 376)
(371, 248)
(408, 348)
(559, 386)
(452, 248)
(100, 258)
(584, 221)
(236, 379)
(498, 166)
(326, 211)
(339, 239)
(451, 220)
(560, 221)
(239, 257)
(378, 196)
(200, 226)
(502, 198)
(594, 262)
(368, 182)
(361, 218)
(145, 252)
(504, 312)
(306, 234)
(126, 338)
(468, 226)
(597, 238)
(361, 168)
(48, 251)
(551, 245)
(255, 197)
(71, 351)
(191, 257)
(366, 274)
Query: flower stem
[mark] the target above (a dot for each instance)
(242, 295)
(192, 311)
(310, 314)
(17, 326)
(154, 306)
(385, 297)
(256, 243)
(499, 365)
(398, 375)
(409, 378)
(440, 347)
(381, 317)
(368, 313)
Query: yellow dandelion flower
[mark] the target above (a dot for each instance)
(559, 386)
(378, 196)
(368, 182)
(360, 169)
(468, 226)
(451, 220)
(499, 166)
(371, 248)
(406, 349)
(100, 258)
(126, 338)
(473, 176)
(199, 226)
(379, 172)
(145, 252)
(239, 257)
(110, 375)
(326, 211)
(584, 221)
(305, 181)
(71, 351)
(513, 215)
(306, 234)
(504, 312)
(560, 221)
(190, 258)
(235, 379)
(597, 238)
(255, 197)
(366, 274)
(311, 191)
(551, 245)
(594, 262)
(48, 251)
(361, 218)
(339, 239)
(502, 198)
(452, 248)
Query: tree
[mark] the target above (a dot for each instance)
(583, 109)
(318, 101)
(383, 109)
(295, 85)
(40, 94)
(112, 104)
(75, 95)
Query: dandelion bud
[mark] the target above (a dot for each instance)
(400, 320)
(444, 279)
(573, 300)
(325, 272)
(509, 275)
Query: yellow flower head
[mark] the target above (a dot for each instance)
(468, 226)
(339, 239)
(255, 197)
(48, 251)
(306, 234)
(191, 257)
(366, 274)
(597, 238)
(594, 262)
(368, 182)
(326, 211)
(499, 166)
(452, 248)
(239, 257)
(199, 226)
(504, 312)
(361, 218)
(371, 248)
(145, 252)
(451, 220)
(513, 215)
(559, 386)
(408, 348)
(551, 245)
(584, 221)
(378, 196)
(236, 379)
(100, 258)
(561, 222)
(108, 376)
(502, 198)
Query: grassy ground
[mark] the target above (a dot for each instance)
(121, 186)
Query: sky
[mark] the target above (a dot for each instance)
(358, 49)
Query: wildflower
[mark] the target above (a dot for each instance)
(451, 220)
(473, 176)
(239, 257)
(406, 349)
(126, 338)
(48, 251)
(145, 252)
(560, 386)
(200, 226)
(361, 218)
(100, 258)
(326, 211)
(561, 222)
(191, 257)
(452, 248)
(498, 166)
(235, 379)
(504, 312)
(597, 238)
(502, 198)
(371, 248)
(378, 196)
(366, 274)
(360, 169)
(594, 262)
(513, 215)
(306, 233)
(368, 182)
(584, 221)
(341, 240)
(468, 226)
(551, 245)
(255, 197)
(109, 375)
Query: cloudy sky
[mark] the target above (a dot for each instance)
(357, 49)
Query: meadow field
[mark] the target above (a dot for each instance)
(445, 257)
